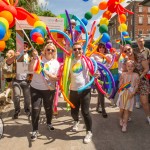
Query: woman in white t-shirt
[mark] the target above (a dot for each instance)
(101, 100)
(43, 86)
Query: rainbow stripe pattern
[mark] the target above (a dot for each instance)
(124, 86)
(77, 68)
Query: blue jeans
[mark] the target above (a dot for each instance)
(18, 86)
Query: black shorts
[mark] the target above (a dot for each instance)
(9, 79)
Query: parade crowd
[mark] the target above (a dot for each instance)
(38, 90)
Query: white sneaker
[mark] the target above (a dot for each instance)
(75, 126)
(34, 135)
(148, 119)
(137, 105)
(88, 137)
(60, 95)
(124, 128)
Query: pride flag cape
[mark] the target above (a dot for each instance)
(124, 86)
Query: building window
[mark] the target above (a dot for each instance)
(148, 9)
(131, 21)
(148, 19)
(140, 32)
(140, 20)
(140, 9)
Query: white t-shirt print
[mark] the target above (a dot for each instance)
(79, 74)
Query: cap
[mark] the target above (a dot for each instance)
(73, 21)
(25, 42)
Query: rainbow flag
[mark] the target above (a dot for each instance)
(38, 67)
(118, 41)
(124, 86)
(126, 36)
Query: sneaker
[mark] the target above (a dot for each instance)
(148, 119)
(99, 109)
(88, 137)
(50, 127)
(75, 126)
(124, 128)
(129, 119)
(16, 115)
(34, 135)
(137, 105)
(104, 114)
(61, 96)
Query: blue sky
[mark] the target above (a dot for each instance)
(76, 7)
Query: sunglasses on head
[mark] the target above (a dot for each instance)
(75, 49)
(128, 50)
(50, 50)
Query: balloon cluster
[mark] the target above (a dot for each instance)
(112, 6)
(91, 64)
(9, 13)
(39, 32)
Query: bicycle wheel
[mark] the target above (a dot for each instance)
(1, 127)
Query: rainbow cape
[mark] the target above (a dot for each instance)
(124, 86)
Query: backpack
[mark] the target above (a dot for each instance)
(7, 69)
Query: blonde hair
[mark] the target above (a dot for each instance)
(130, 62)
(54, 47)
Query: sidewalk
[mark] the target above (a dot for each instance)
(107, 134)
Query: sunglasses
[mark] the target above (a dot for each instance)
(75, 49)
(101, 47)
(128, 50)
(50, 50)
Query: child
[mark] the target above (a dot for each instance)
(126, 96)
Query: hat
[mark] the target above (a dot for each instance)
(73, 21)
(25, 42)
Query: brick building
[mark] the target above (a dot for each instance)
(138, 23)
